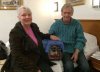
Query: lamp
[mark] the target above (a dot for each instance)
(96, 3)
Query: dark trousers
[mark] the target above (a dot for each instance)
(69, 66)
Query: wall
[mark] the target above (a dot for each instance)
(85, 11)
(43, 15)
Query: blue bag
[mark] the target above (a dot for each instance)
(54, 49)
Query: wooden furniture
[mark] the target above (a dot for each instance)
(95, 64)
(92, 27)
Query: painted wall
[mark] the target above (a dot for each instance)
(43, 15)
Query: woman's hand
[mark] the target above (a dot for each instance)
(53, 37)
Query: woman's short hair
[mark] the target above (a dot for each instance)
(23, 7)
(67, 5)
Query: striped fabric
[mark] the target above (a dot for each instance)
(70, 33)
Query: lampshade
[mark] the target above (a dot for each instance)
(96, 3)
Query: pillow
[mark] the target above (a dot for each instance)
(91, 45)
(7, 45)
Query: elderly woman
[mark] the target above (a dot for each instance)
(27, 53)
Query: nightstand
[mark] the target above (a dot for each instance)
(95, 62)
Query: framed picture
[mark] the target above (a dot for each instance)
(10, 4)
(76, 2)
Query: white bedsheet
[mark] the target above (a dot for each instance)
(91, 45)
(58, 67)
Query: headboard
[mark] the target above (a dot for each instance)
(92, 27)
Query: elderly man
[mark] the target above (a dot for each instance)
(70, 32)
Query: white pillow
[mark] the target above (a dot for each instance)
(7, 45)
(91, 45)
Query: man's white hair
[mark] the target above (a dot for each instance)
(67, 5)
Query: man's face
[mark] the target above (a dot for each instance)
(25, 17)
(66, 14)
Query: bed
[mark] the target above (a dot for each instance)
(92, 27)
(91, 31)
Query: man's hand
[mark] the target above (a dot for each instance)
(75, 55)
(52, 37)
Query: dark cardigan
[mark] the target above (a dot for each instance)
(25, 55)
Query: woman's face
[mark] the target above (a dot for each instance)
(25, 17)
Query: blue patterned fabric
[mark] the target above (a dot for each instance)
(48, 43)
